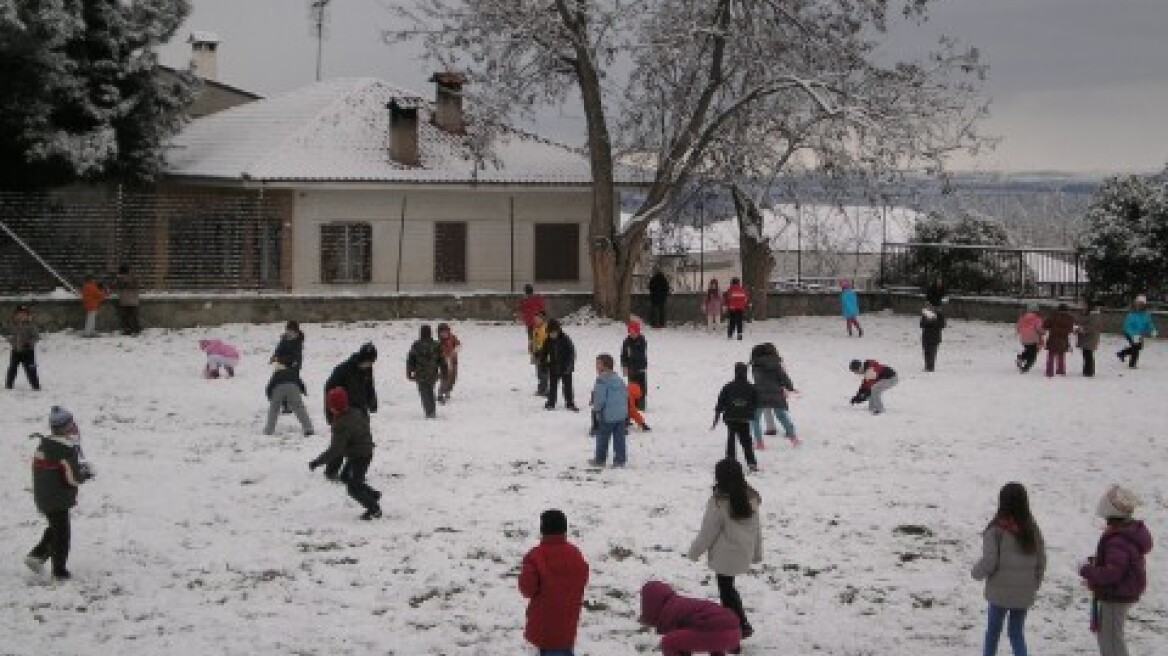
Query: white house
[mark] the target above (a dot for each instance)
(375, 189)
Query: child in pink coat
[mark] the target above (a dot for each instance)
(219, 354)
(689, 625)
(1030, 331)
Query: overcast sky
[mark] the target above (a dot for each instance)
(1075, 85)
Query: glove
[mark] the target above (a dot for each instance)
(85, 471)
(313, 465)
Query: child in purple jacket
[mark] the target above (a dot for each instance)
(1116, 574)
(688, 625)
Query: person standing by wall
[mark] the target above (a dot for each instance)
(1058, 326)
(530, 305)
(712, 305)
(128, 301)
(92, 296)
(22, 338)
(932, 324)
(736, 299)
(658, 296)
(731, 534)
(850, 307)
(552, 577)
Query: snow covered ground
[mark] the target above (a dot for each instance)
(202, 536)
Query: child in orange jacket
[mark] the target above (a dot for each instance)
(92, 296)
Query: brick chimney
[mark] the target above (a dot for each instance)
(448, 102)
(204, 58)
(403, 131)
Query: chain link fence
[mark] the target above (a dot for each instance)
(187, 242)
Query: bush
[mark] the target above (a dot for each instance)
(1125, 243)
(972, 271)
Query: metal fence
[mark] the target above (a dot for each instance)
(984, 270)
(171, 242)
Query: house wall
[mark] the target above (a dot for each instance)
(497, 258)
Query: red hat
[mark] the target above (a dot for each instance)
(337, 400)
(634, 327)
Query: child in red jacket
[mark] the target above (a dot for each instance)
(553, 577)
(689, 625)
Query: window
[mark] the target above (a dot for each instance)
(449, 252)
(557, 252)
(346, 252)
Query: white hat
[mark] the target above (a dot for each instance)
(928, 313)
(1117, 502)
(1141, 300)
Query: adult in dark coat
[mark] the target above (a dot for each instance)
(355, 376)
(932, 323)
(424, 365)
(658, 295)
(935, 293)
(1058, 327)
(559, 356)
(634, 359)
(353, 440)
(56, 474)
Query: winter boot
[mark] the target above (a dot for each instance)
(35, 563)
(760, 445)
(372, 513)
(230, 372)
(795, 441)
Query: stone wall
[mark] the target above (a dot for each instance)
(191, 310)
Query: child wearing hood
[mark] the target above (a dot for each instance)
(286, 390)
(22, 337)
(424, 365)
(1058, 326)
(850, 307)
(688, 625)
(57, 471)
(1087, 331)
(634, 360)
(1116, 574)
(737, 404)
(219, 354)
(1012, 565)
(773, 385)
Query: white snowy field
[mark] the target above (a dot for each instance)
(200, 535)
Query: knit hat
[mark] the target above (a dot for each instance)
(1117, 502)
(553, 522)
(634, 327)
(855, 365)
(337, 400)
(553, 326)
(367, 353)
(60, 420)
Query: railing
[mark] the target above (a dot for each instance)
(983, 270)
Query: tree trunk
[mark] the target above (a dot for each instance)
(754, 251)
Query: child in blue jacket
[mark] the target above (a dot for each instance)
(850, 307)
(1136, 326)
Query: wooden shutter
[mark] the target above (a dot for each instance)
(450, 252)
(557, 252)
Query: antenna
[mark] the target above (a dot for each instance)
(318, 22)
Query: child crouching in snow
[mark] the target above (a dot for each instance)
(877, 379)
(688, 625)
(219, 354)
(286, 390)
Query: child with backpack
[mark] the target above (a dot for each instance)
(1012, 565)
(737, 403)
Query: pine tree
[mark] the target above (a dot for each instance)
(80, 95)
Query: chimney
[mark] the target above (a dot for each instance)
(448, 104)
(403, 131)
(204, 60)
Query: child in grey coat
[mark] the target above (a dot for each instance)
(286, 390)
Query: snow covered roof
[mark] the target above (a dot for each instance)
(200, 36)
(338, 131)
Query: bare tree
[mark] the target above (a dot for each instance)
(693, 66)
